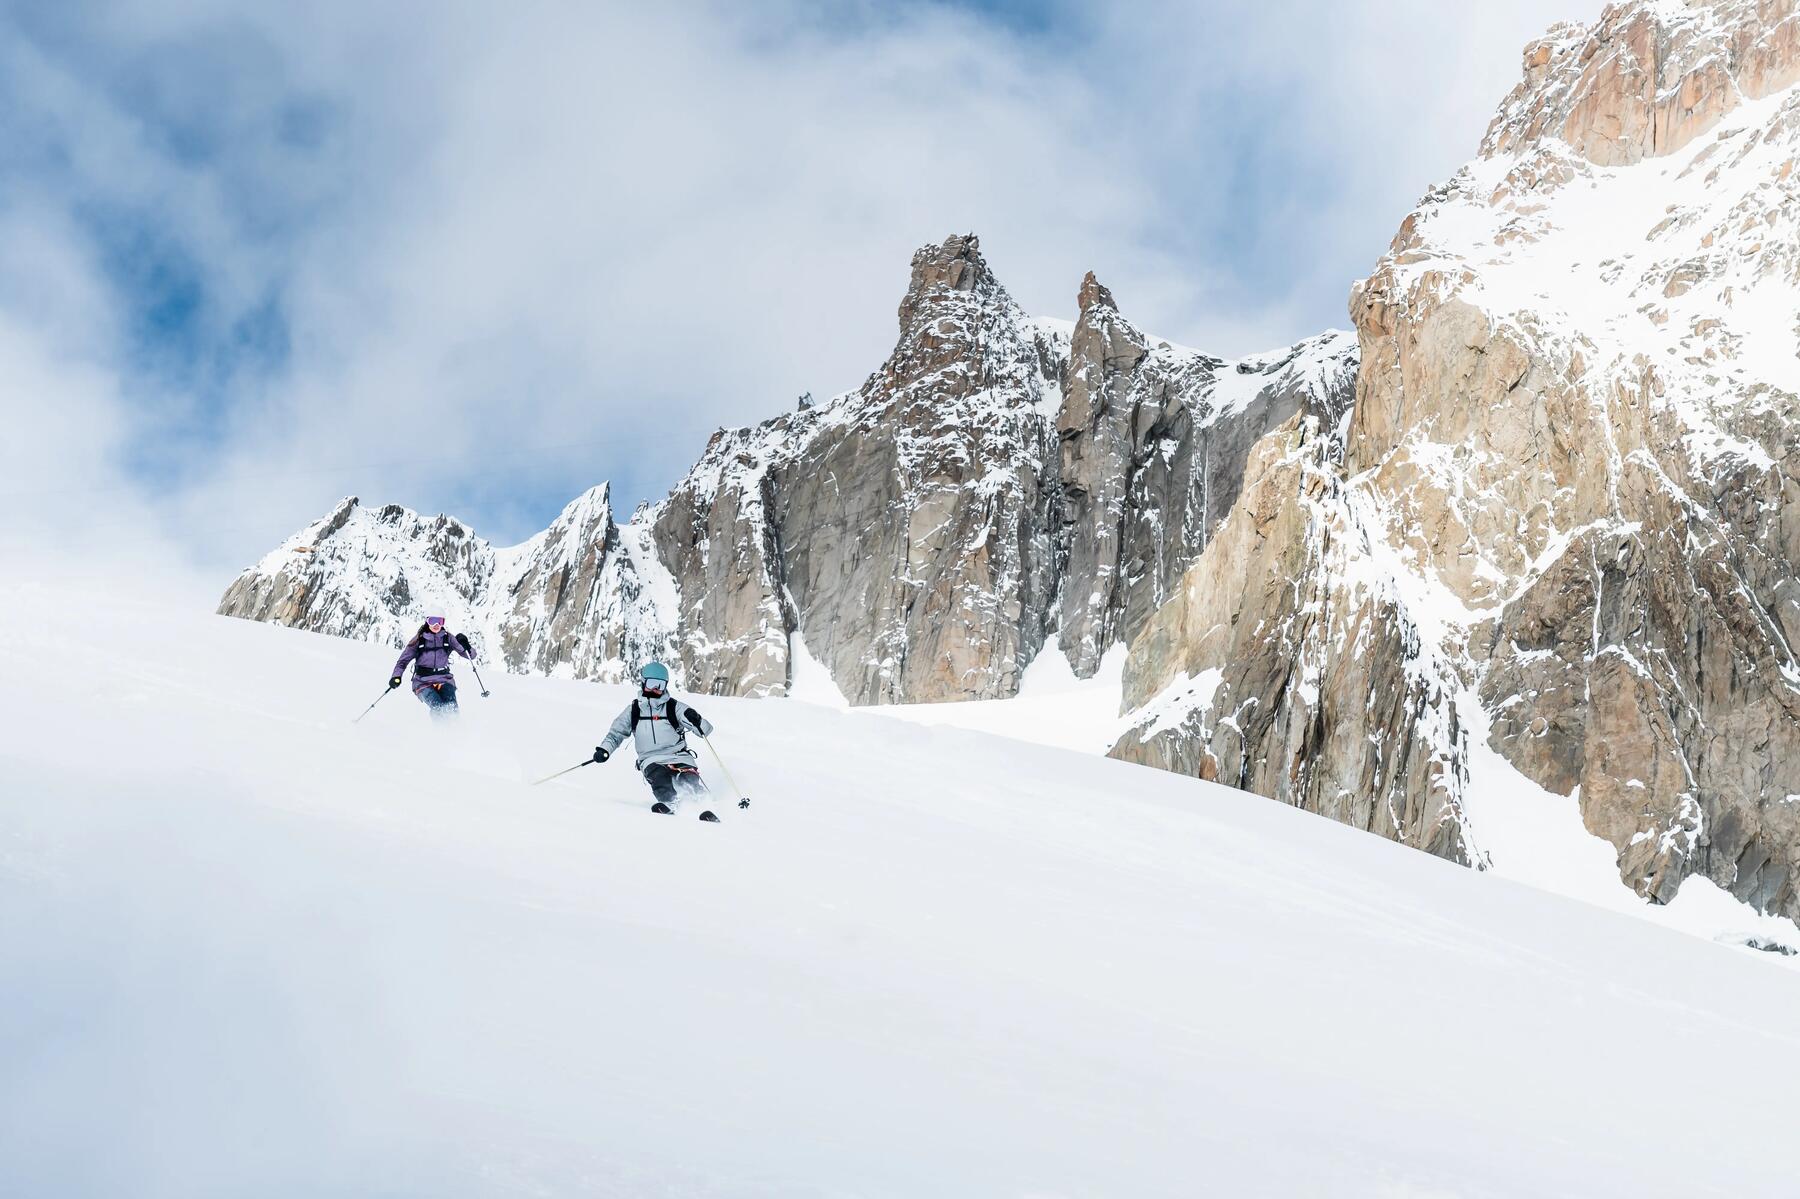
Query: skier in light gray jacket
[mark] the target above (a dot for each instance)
(658, 723)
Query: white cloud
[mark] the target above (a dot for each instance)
(522, 250)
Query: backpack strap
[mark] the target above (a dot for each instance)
(426, 646)
(637, 714)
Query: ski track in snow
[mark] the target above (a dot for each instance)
(250, 948)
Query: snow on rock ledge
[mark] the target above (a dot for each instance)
(1571, 453)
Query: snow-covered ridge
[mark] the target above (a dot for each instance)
(936, 478)
(571, 601)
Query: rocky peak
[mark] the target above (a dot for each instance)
(1648, 77)
(960, 332)
(1094, 294)
(340, 516)
(1153, 440)
(1102, 335)
(955, 264)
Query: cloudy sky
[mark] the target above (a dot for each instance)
(478, 257)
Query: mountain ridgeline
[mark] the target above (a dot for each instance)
(998, 480)
(1537, 522)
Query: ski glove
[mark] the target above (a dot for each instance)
(600, 754)
(393, 682)
(462, 639)
(693, 715)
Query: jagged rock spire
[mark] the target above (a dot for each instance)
(1094, 294)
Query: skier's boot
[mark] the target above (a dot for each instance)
(709, 817)
(663, 808)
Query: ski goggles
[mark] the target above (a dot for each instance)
(436, 622)
(653, 687)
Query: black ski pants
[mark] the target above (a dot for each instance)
(668, 782)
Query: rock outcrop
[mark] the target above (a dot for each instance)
(1153, 445)
(1572, 452)
(1647, 78)
(924, 534)
(572, 602)
(1288, 666)
(902, 529)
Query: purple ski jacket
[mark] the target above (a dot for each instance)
(429, 653)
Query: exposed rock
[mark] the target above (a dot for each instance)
(901, 528)
(1153, 443)
(1576, 426)
(1289, 666)
(916, 532)
(1647, 78)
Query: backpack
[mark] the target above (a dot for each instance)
(448, 646)
(674, 719)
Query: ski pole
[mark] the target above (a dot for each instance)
(560, 773)
(371, 707)
(477, 670)
(743, 800)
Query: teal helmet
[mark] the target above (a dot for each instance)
(655, 676)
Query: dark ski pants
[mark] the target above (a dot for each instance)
(669, 783)
(441, 699)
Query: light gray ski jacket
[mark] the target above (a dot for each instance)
(662, 728)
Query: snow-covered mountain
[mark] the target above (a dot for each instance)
(250, 948)
(1533, 531)
(1560, 532)
(921, 536)
(587, 598)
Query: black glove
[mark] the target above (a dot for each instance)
(600, 754)
(693, 716)
(744, 803)
(462, 639)
(393, 682)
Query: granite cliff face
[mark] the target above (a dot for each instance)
(1289, 664)
(923, 534)
(1571, 458)
(902, 528)
(1153, 443)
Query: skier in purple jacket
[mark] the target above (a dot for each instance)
(429, 652)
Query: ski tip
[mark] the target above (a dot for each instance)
(709, 818)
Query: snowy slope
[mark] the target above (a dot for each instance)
(250, 948)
